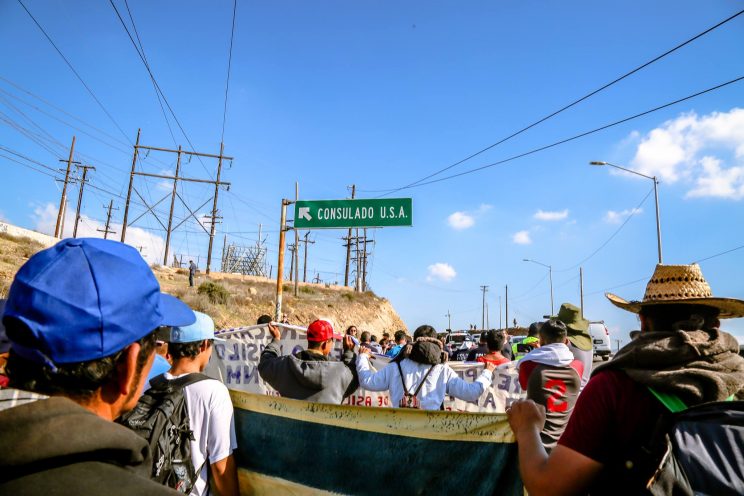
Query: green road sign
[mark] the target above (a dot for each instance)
(327, 214)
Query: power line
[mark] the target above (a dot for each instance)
(630, 216)
(157, 86)
(566, 107)
(74, 71)
(229, 66)
(719, 254)
(575, 137)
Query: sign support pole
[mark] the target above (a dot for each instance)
(280, 262)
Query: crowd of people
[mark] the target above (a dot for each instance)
(94, 351)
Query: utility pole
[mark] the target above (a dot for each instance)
(304, 265)
(106, 231)
(617, 343)
(506, 307)
(173, 204)
(292, 249)
(449, 319)
(364, 263)
(358, 281)
(483, 307)
(80, 196)
(280, 262)
(581, 289)
(297, 245)
(500, 312)
(348, 243)
(129, 190)
(214, 206)
(63, 198)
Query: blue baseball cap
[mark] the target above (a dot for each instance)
(200, 330)
(85, 299)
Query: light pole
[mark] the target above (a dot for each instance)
(656, 198)
(550, 274)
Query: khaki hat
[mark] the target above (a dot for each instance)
(680, 285)
(578, 326)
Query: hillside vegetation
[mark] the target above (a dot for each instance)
(233, 300)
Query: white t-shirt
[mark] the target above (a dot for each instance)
(213, 422)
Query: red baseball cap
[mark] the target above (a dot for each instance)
(321, 330)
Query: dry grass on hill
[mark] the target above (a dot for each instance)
(245, 297)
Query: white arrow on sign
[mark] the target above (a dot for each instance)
(305, 213)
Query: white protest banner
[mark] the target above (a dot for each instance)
(235, 363)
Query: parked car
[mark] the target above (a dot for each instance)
(600, 339)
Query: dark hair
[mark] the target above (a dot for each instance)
(384, 341)
(534, 328)
(185, 350)
(264, 319)
(674, 317)
(348, 329)
(483, 336)
(553, 331)
(399, 335)
(424, 331)
(365, 336)
(75, 380)
(494, 340)
(373, 338)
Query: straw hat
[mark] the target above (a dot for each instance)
(680, 285)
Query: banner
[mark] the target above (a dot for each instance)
(235, 363)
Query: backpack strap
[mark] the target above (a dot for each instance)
(672, 402)
(160, 382)
(421, 384)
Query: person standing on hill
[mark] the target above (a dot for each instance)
(192, 273)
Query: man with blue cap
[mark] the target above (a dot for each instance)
(211, 416)
(81, 318)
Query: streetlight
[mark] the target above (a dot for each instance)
(550, 273)
(656, 197)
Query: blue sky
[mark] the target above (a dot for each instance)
(381, 94)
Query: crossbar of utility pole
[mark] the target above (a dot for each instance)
(174, 194)
(184, 152)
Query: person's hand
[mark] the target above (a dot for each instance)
(363, 350)
(276, 333)
(348, 342)
(525, 416)
(490, 366)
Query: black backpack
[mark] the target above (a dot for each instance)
(162, 418)
(697, 450)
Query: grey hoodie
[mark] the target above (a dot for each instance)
(308, 376)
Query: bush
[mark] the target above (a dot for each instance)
(348, 295)
(215, 292)
(182, 272)
(307, 289)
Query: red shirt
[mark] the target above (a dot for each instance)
(612, 418)
(500, 361)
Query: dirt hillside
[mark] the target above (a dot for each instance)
(233, 300)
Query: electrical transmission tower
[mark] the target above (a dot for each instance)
(169, 228)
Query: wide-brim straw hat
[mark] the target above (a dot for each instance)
(680, 285)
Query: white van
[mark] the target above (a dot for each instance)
(600, 339)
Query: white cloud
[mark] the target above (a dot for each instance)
(717, 182)
(551, 216)
(522, 238)
(441, 272)
(613, 217)
(705, 151)
(460, 220)
(45, 217)
(464, 220)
